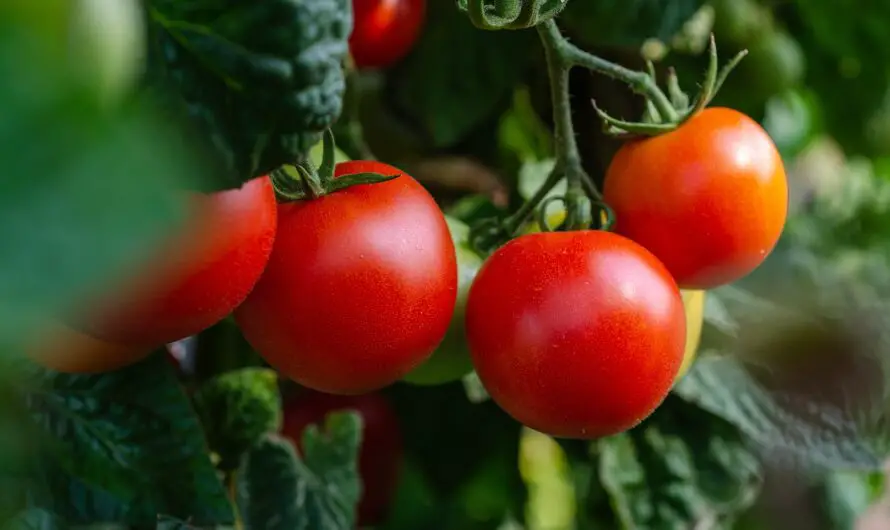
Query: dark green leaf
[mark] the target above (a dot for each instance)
(86, 190)
(237, 408)
(35, 519)
(259, 80)
(626, 23)
(812, 432)
(805, 372)
(277, 489)
(680, 469)
(129, 446)
(457, 76)
(166, 522)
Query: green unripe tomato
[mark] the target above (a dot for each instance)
(451, 360)
(740, 22)
(775, 63)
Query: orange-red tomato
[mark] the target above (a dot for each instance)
(360, 288)
(380, 454)
(61, 348)
(198, 277)
(709, 199)
(576, 334)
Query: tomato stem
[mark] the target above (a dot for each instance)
(642, 83)
(568, 156)
(525, 212)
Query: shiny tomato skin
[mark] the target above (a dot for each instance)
(380, 454)
(360, 287)
(709, 199)
(384, 31)
(576, 334)
(198, 276)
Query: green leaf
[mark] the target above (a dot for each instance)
(682, 468)
(807, 431)
(522, 133)
(128, 444)
(236, 409)
(803, 373)
(626, 23)
(35, 519)
(87, 190)
(276, 489)
(457, 76)
(259, 80)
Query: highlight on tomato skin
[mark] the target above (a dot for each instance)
(709, 199)
(381, 451)
(360, 288)
(384, 31)
(197, 277)
(576, 334)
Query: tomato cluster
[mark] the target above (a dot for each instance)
(577, 334)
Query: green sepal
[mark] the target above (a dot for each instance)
(359, 178)
(650, 125)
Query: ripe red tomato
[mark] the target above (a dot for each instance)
(380, 454)
(576, 334)
(360, 287)
(384, 31)
(709, 199)
(198, 277)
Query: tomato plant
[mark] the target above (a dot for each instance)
(198, 277)
(384, 30)
(360, 287)
(561, 325)
(452, 282)
(380, 455)
(709, 199)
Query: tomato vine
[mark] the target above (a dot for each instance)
(665, 111)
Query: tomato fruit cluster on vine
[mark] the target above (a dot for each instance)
(577, 334)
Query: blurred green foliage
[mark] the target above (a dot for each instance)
(95, 155)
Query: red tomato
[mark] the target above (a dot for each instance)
(384, 31)
(380, 455)
(576, 334)
(709, 199)
(360, 287)
(199, 276)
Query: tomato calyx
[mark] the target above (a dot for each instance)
(302, 181)
(674, 108)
